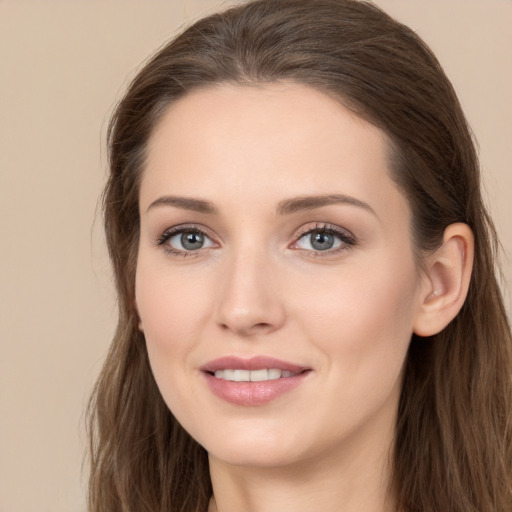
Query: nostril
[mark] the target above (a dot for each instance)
(261, 326)
(247, 329)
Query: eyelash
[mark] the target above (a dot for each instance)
(348, 240)
(169, 233)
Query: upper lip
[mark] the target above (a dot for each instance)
(252, 363)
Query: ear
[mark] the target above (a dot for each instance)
(446, 280)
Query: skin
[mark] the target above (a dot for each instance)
(258, 288)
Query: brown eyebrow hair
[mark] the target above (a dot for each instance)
(285, 207)
(310, 202)
(185, 203)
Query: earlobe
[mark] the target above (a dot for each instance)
(446, 280)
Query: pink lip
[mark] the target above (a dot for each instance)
(251, 394)
(253, 363)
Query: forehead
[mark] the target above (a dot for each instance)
(260, 142)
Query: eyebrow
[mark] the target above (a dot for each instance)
(185, 203)
(295, 204)
(285, 207)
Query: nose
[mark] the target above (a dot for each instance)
(249, 300)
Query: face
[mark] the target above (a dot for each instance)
(275, 282)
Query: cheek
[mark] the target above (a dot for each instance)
(169, 305)
(169, 302)
(363, 319)
(361, 326)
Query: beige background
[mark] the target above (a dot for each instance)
(62, 64)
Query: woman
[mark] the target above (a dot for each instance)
(309, 317)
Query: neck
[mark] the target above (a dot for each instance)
(356, 480)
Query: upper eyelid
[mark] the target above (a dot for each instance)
(173, 230)
(321, 226)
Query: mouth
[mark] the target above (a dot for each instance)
(252, 382)
(263, 375)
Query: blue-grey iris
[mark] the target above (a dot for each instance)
(322, 241)
(192, 240)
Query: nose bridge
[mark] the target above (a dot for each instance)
(248, 300)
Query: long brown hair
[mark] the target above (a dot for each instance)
(453, 450)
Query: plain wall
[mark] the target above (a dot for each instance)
(62, 66)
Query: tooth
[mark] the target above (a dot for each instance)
(259, 375)
(274, 373)
(229, 375)
(241, 375)
(254, 375)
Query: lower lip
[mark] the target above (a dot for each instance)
(252, 394)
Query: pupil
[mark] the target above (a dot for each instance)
(192, 240)
(322, 241)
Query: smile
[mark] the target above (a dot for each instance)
(253, 375)
(252, 382)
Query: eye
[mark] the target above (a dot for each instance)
(325, 239)
(185, 240)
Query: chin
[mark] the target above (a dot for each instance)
(255, 457)
(253, 447)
